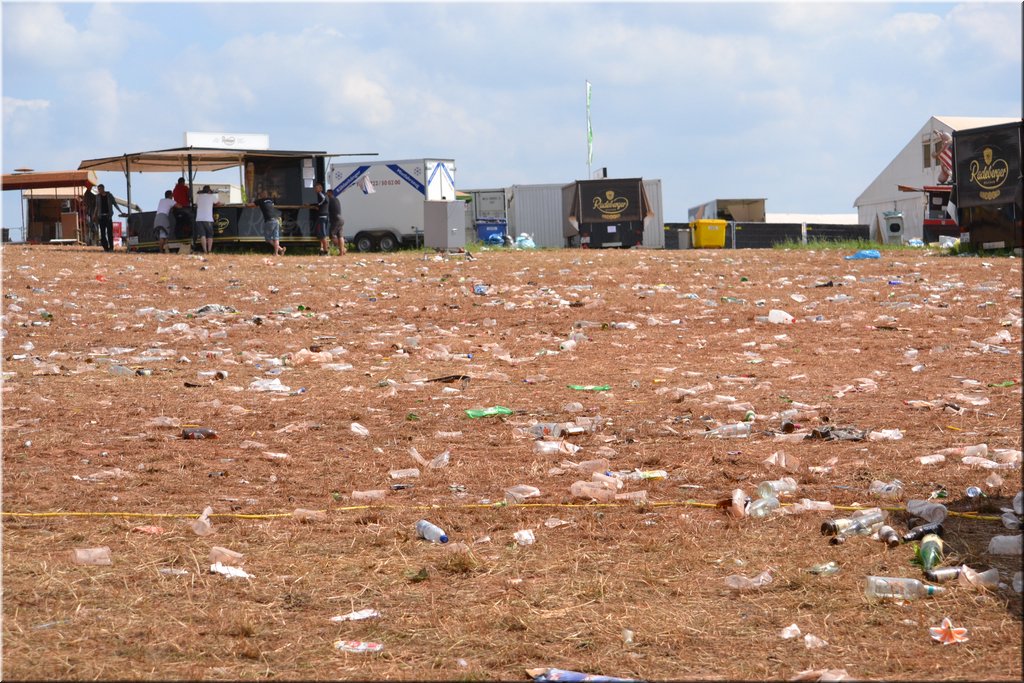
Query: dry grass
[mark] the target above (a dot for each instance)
(497, 608)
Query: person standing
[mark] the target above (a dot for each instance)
(205, 201)
(103, 214)
(162, 221)
(322, 227)
(89, 202)
(271, 223)
(182, 204)
(337, 223)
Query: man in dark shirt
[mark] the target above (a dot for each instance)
(103, 214)
(271, 223)
(322, 226)
(337, 223)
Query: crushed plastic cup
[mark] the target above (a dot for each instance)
(359, 615)
(201, 526)
(791, 631)
(524, 537)
(520, 493)
(589, 490)
(306, 516)
(92, 556)
(226, 556)
(986, 580)
(1005, 545)
(928, 511)
(359, 430)
(740, 583)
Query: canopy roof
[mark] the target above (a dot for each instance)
(203, 159)
(49, 179)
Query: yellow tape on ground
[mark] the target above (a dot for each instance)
(502, 504)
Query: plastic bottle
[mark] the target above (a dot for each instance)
(430, 532)
(198, 433)
(779, 317)
(864, 525)
(567, 345)
(776, 487)
(520, 492)
(930, 552)
(542, 429)
(489, 412)
(608, 481)
(832, 527)
(587, 490)
(737, 430)
(893, 588)
(635, 497)
(888, 536)
(762, 507)
(919, 532)
(894, 489)
(121, 371)
(590, 466)
(368, 496)
(933, 459)
(980, 450)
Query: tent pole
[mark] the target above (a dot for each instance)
(128, 218)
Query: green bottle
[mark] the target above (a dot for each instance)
(490, 412)
(590, 387)
(929, 554)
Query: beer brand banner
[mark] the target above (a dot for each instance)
(987, 166)
(610, 200)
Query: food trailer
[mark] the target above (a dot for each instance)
(286, 176)
(609, 212)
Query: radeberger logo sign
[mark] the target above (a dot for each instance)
(611, 206)
(989, 173)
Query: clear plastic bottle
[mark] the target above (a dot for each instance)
(893, 489)
(737, 430)
(864, 525)
(587, 490)
(898, 588)
(762, 507)
(430, 532)
(833, 527)
(928, 511)
(776, 487)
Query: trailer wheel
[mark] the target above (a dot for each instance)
(365, 243)
(387, 242)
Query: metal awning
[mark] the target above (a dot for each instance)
(179, 158)
(49, 179)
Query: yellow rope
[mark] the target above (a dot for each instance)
(280, 515)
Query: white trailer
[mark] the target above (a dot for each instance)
(383, 202)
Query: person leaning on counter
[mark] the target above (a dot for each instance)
(271, 222)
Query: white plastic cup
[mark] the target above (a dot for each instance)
(928, 511)
(92, 556)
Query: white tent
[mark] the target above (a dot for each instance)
(914, 166)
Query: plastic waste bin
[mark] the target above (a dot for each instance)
(491, 231)
(709, 233)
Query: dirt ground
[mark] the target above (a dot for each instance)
(355, 339)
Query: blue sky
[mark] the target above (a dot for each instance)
(800, 103)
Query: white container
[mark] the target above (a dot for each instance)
(928, 511)
(92, 556)
(778, 317)
(1005, 545)
(933, 459)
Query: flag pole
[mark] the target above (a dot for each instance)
(590, 134)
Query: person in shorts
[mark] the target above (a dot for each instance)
(162, 221)
(205, 201)
(322, 225)
(337, 223)
(271, 223)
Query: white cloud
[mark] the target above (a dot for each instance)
(42, 34)
(995, 29)
(22, 116)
